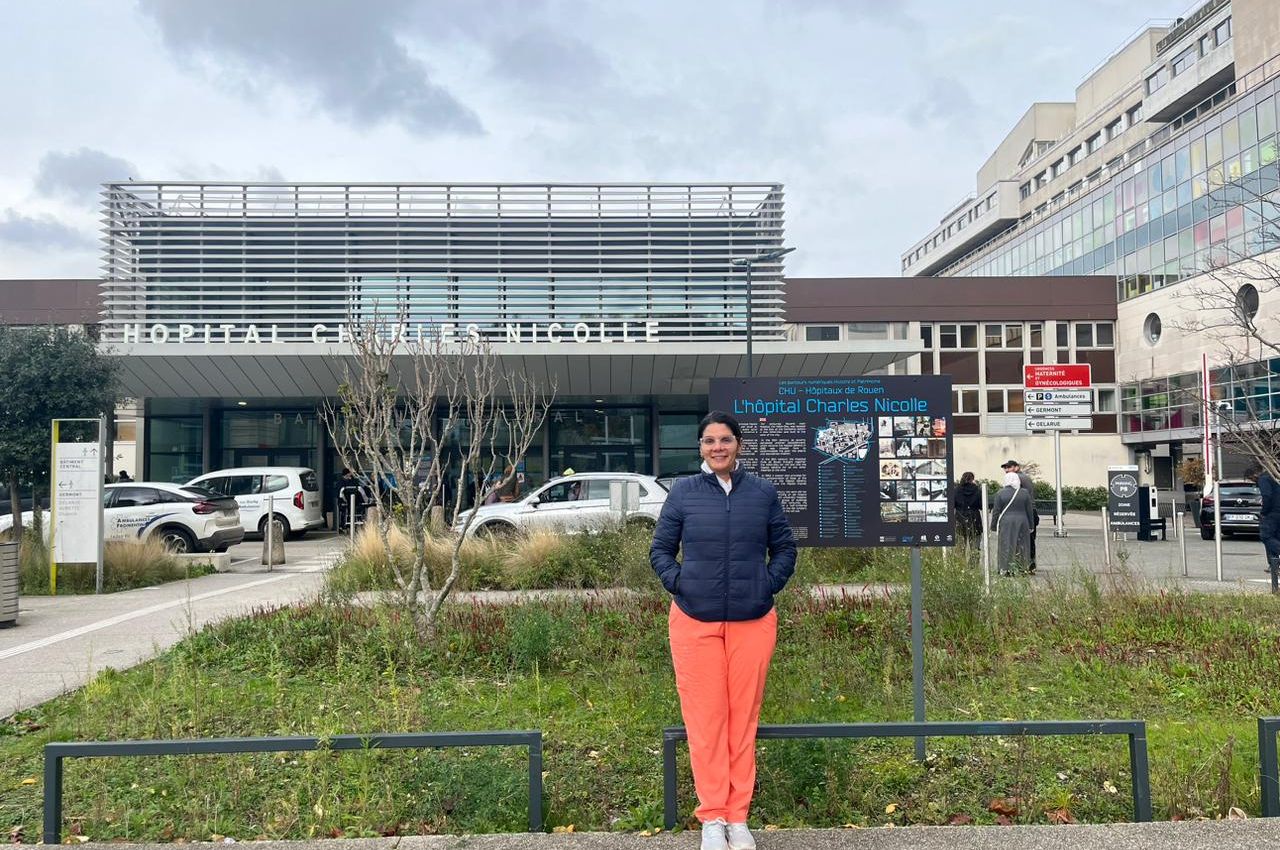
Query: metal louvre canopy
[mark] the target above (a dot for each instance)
(276, 370)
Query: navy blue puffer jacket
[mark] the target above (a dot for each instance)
(738, 547)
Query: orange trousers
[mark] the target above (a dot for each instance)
(720, 674)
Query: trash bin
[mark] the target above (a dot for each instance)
(9, 582)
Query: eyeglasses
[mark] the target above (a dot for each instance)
(724, 441)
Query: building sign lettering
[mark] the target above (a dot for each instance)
(615, 330)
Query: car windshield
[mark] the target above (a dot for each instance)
(1240, 491)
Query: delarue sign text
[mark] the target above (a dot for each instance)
(863, 461)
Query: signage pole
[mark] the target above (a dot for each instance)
(1217, 526)
(102, 478)
(53, 513)
(1182, 540)
(917, 646)
(986, 550)
(1058, 529)
(1106, 540)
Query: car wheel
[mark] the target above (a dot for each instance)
(177, 540)
(496, 531)
(281, 521)
(1206, 532)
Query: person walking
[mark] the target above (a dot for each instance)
(968, 505)
(1011, 520)
(1269, 521)
(738, 553)
(1025, 482)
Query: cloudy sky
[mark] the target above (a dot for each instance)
(875, 113)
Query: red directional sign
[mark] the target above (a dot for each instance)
(1054, 376)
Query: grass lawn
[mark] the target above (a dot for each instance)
(596, 678)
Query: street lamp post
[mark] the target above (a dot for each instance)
(748, 263)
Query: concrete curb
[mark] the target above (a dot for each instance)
(1255, 834)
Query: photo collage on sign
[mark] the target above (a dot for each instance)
(912, 453)
(844, 440)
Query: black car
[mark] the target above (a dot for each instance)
(1240, 509)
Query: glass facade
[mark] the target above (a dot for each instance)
(1250, 391)
(175, 448)
(1207, 195)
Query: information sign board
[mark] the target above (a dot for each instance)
(1048, 376)
(863, 461)
(1057, 410)
(1122, 498)
(1058, 396)
(77, 503)
(1059, 423)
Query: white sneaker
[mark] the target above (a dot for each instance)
(713, 835)
(740, 837)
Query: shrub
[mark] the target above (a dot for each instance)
(126, 564)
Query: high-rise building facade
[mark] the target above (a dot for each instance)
(1162, 169)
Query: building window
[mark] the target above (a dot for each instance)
(1157, 80)
(1151, 329)
(1042, 178)
(1206, 44)
(867, 330)
(1134, 115)
(1114, 128)
(1064, 336)
(1247, 301)
(1092, 143)
(1059, 167)
(822, 333)
(926, 336)
(951, 336)
(1024, 191)
(1037, 336)
(1095, 335)
(995, 401)
(1106, 401)
(1222, 32)
(1184, 60)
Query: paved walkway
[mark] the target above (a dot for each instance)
(62, 642)
(1204, 835)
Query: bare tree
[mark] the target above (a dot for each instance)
(1234, 279)
(406, 406)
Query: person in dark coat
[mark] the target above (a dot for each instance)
(1025, 482)
(968, 504)
(738, 551)
(1269, 520)
(1011, 520)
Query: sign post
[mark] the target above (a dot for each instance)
(75, 502)
(861, 461)
(1058, 397)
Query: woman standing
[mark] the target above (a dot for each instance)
(1012, 518)
(738, 551)
(968, 503)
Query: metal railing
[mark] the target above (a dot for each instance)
(1269, 766)
(54, 754)
(1136, 730)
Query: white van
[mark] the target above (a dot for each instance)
(296, 491)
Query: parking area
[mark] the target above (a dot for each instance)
(1159, 561)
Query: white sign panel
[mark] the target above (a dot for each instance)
(1058, 410)
(77, 503)
(1060, 423)
(1058, 396)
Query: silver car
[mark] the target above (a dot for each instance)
(572, 503)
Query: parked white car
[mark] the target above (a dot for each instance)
(575, 502)
(295, 489)
(185, 519)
